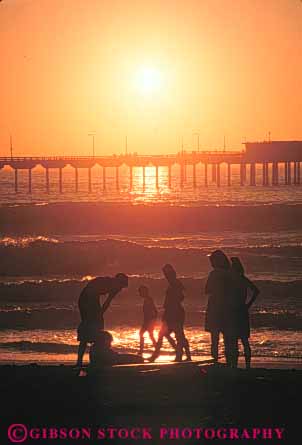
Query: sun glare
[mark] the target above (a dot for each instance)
(149, 80)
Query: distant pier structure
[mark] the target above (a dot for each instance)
(268, 156)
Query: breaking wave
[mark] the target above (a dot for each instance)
(51, 257)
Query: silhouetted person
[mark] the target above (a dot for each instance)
(91, 310)
(242, 306)
(173, 317)
(219, 318)
(101, 353)
(150, 316)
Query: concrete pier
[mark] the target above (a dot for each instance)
(194, 175)
(270, 155)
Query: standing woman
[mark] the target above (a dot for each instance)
(218, 319)
(173, 317)
(242, 306)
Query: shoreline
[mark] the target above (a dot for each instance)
(258, 363)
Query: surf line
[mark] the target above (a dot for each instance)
(175, 433)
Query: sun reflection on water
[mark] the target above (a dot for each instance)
(61, 346)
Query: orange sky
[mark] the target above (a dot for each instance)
(69, 67)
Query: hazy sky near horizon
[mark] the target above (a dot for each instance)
(217, 67)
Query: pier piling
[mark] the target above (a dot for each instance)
(89, 180)
(275, 173)
(214, 173)
(16, 180)
(117, 177)
(298, 173)
(265, 174)
(131, 177)
(104, 178)
(170, 176)
(47, 179)
(242, 174)
(205, 174)
(289, 173)
(218, 174)
(29, 181)
(252, 174)
(60, 180)
(144, 177)
(76, 179)
(182, 174)
(229, 174)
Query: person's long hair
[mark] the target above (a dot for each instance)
(169, 273)
(219, 260)
(171, 276)
(237, 265)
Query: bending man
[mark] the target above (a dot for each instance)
(92, 311)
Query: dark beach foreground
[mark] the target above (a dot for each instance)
(185, 396)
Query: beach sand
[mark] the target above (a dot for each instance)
(182, 395)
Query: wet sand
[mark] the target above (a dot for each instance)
(182, 395)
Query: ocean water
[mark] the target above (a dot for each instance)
(185, 195)
(51, 244)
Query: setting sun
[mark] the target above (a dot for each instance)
(149, 80)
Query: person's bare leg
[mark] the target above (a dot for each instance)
(158, 345)
(152, 338)
(247, 352)
(235, 352)
(181, 343)
(141, 341)
(230, 350)
(214, 345)
(171, 341)
(187, 349)
(81, 352)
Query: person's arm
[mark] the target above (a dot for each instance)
(108, 301)
(255, 292)
(208, 290)
(181, 295)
